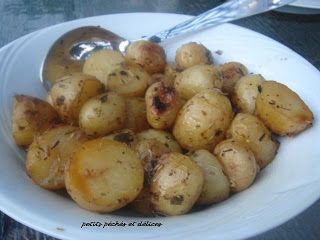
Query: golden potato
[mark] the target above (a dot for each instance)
(136, 117)
(128, 80)
(162, 105)
(230, 73)
(103, 114)
(250, 129)
(216, 185)
(171, 72)
(162, 136)
(149, 55)
(126, 136)
(282, 110)
(191, 54)
(31, 116)
(176, 184)
(238, 163)
(104, 175)
(196, 79)
(69, 93)
(49, 153)
(160, 77)
(245, 93)
(203, 120)
(101, 63)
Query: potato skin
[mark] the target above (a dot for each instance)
(69, 93)
(245, 93)
(126, 136)
(238, 163)
(282, 110)
(104, 175)
(149, 55)
(203, 120)
(103, 114)
(191, 54)
(216, 185)
(176, 184)
(136, 117)
(101, 63)
(31, 116)
(196, 79)
(162, 105)
(49, 153)
(250, 129)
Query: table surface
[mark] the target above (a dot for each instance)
(299, 32)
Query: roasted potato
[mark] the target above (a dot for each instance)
(250, 129)
(230, 73)
(136, 117)
(162, 136)
(196, 79)
(282, 110)
(238, 163)
(171, 72)
(162, 105)
(69, 93)
(149, 55)
(49, 152)
(31, 116)
(104, 175)
(191, 54)
(101, 63)
(245, 93)
(203, 120)
(126, 136)
(103, 114)
(176, 184)
(128, 80)
(142, 203)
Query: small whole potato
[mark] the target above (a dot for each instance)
(196, 79)
(149, 55)
(101, 63)
(191, 54)
(250, 129)
(203, 120)
(245, 93)
(162, 136)
(31, 116)
(282, 110)
(126, 136)
(104, 175)
(216, 185)
(171, 72)
(69, 93)
(103, 114)
(136, 117)
(230, 73)
(238, 163)
(162, 105)
(176, 184)
(128, 80)
(49, 153)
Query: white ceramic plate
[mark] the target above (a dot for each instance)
(315, 4)
(285, 188)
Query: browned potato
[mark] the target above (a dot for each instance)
(216, 185)
(196, 79)
(104, 175)
(238, 163)
(203, 120)
(136, 117)
(176, 184)
(103, 114)
(101, 63)
(171, 72)
(128, 80)
(49, 152)
(245, 93)
(281, 109)
(162, 136)
(191, 54)
(230, 73)
(126, 136)
(142, 204)
(250, 129)
(31, 116)
(162, 105)
(69, 93)
(149, 55)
